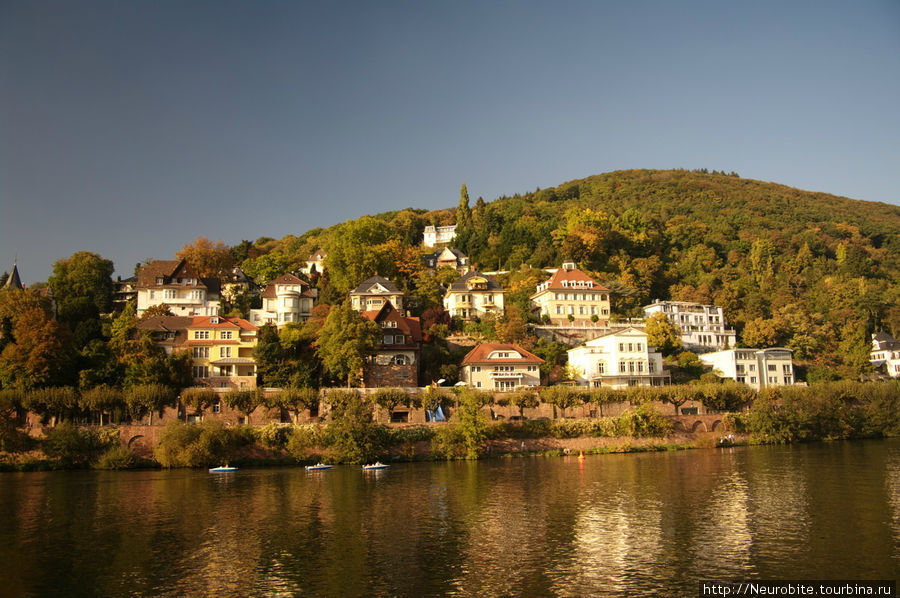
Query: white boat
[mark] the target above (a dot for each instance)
(222, 469)
(375, 466)
(318, 467)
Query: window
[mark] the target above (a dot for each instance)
(786, 369)
(225, 334)
(400, 360)
(630, 347)
(773, 379)
(593, 310)
(651, 367)
(388, 339)
(201, 334)
(476, 369)
(741, 379)
(752, 367)
(621, 346)
(559, 310)
(200, 371)
(170, 294)
(752, 379)
(200, 352)
(217, 406)
(787, 380)
(399, 339)
(601, 367)
(224, 351)
(153, 294)
(771, 367)
(622, 367)
(640, 367)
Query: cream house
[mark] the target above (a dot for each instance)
(285, 299)
(571, 296)
(618, 359)
(175, 284)
(222, 352)
(501, 367)
(474, 296)
(435, 235)
(757, 368)
(374, 292)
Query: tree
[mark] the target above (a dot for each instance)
(352, 255)
(662, 334)
(41, 353)
(146, 399)
(294, 399)
(198, 398)
(389, 398)
(210, 260)
(245, 401)
(352, 433)
(344, 342)
(523, 399)
(562, 397)
(102, 399)
(54, 402)
(83, 289)
(471, 421)
(463, 213)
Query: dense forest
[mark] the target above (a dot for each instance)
(811, 271)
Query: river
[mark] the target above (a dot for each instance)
(610, 525)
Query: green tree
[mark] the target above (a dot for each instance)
(662, 334)
(294, 399)
(83, 289)
(352, 433)
(344, 342)
(102, 399)
(245, 401)
(144, 399)
(197, 398)
(55, 402)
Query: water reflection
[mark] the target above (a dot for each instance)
(614, 525)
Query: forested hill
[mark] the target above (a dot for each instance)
(811, 271)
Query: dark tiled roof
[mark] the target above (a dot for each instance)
(364, 286)
(408, 326)
(461, 284)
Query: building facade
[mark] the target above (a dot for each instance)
(285, 299)
(501, 367)
(571, 297)
(475, 295)
(396, 363)
(435, 235)
(757, 368)
(618, 359)
(703, 327)
(373, 293)
(885, 354)
(175, 284)
(447, 258)
(222, 352)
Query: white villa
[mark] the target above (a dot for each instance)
(703, 327)
(286, 299)
(374, 292)
(757, 368)
(885, 353)
(435, 235)
(618, 359)
(175, 284)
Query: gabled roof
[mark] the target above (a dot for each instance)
(221, 322)
(167, 270)
(371, 286)
(481, 352)
(164, 323)
(411, 327)
(292, 279)
(572, 278)
(885, 342)
(462, 283)
(317, 255)
(616, 332)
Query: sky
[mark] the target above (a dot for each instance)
(131, 128)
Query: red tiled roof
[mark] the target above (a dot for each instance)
(480, 353)
(409, 326)
(574, 275)
(224, 322)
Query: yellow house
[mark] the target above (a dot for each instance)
(222, 351)
(570, 295)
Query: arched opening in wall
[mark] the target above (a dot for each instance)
(717, 426)
(680, 426)
(699, 427)
(136, 440)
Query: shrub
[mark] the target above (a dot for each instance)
(188, 445)
(74, 446)
(118, 457)
(304, 438)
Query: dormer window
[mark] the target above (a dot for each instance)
(160, 280)
(214, 320)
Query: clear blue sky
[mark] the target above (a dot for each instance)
(129, 128)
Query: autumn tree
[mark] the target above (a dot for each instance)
(209, 259)
(41, 353)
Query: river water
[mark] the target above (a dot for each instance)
(610, 525)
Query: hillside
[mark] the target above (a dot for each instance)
(812, 271)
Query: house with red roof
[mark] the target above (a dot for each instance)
(571, 297)
(396, 362)
(501, 367)
(222, 351)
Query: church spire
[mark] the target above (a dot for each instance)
(14, 282)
